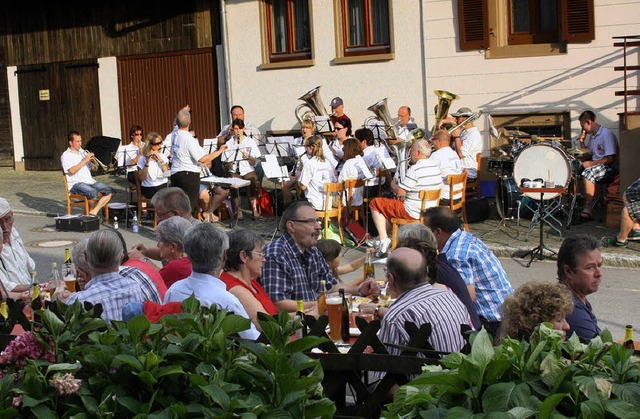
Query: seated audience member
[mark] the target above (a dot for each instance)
(417, 301)
(294, 266)
(206, 263)
(167, 203)
(533, 303)
(422, 175)
(15, 263)
(79, 259)
(448, 162)
(331, 250)
(480, 269)
(629, 218)
(152, 165)
(241, 269)
(580, 270)
(170, 234)
(440, 270)
(245, 168)
(315, 173)
(107, 287)
(603, 145)
(76, 164)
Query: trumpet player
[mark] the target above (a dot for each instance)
(468, 142)
(76, 165)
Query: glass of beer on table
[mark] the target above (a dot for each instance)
(334, 310)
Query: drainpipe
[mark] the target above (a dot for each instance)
(423, 52)
(225, 48)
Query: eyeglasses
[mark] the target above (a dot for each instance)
(156, 143)
(339, 128)
(259, 254)
(309, 221)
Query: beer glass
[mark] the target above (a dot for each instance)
(334, 310)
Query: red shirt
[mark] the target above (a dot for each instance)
(260, 294)
(151, 272)
(176, 270)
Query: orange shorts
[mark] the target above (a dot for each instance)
(390, 208)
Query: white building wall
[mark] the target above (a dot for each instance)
(109, 96)
(16, 122)
(583, 78)
(271, 96)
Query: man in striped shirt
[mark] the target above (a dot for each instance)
(423, 175)
(420, 303)
(480, 269)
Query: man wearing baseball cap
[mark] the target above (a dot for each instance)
(15, 262)
(337, 109)
(468, 142)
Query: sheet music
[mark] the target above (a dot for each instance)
(386, 161)
(365, 169)
(300, 150)
(279, 145)
(125, 153)
(234, 182)
(231, 154)
(272, 170)
(209, 145)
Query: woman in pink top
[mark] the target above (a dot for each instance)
(170, 233)
(242, 268)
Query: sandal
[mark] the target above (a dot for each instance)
(613, 242)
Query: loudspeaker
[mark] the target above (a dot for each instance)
(477, 209)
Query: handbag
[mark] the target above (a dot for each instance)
(265, 203)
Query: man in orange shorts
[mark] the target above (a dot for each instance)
(422, 175)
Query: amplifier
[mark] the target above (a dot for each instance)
(79, 223)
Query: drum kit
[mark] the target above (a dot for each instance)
(536, 164)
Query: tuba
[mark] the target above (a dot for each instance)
(442, 109)
(312, 104)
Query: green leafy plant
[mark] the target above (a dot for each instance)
(188, 365)
(544, 377)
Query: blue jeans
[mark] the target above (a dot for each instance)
(92, 191)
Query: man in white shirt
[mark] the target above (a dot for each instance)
(76, 164)
(423, 175)
(468, 143)
(447, 160)
(404, 125)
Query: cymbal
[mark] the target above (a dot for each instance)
(578, 151)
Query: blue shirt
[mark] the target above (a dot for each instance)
(582, 321)
(448, 276)
(111, 290)
(290, 274)
(209, 290)
(478, 266)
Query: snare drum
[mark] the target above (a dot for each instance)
(508, 196)
(545, 161)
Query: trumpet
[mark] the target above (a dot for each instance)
(95, 160)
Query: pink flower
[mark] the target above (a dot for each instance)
(17, 401)
(66, 384)
(26, 346)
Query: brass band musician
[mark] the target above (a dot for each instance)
(468, 142)
(422, 175)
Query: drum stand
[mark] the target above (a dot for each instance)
(538, 251)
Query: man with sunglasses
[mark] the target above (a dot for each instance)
(294, 266)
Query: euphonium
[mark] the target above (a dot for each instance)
(314, 106)
(442, 109)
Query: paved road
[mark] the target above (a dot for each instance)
(615, 304)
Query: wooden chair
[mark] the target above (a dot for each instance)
(77, 200)
(473, 188)
(143, 200)
(428, 195)
(460, 204)
(329, 211)
(356, 210)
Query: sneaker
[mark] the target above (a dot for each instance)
(373, 242)
(613, 242)
(634, 236)
(384, 248)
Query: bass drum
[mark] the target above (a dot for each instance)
(508, 197)
(546, 162)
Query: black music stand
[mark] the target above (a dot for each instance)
(277, 178)
(235, 156)
(538, 251)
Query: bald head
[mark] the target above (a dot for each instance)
(441, 139)
(407, 268)
(404, 115)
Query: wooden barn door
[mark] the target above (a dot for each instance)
(153, 88)
(54, 99)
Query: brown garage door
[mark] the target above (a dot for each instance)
(154, 87)
(54, 99)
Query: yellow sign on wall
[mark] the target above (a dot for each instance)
(44, 94)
